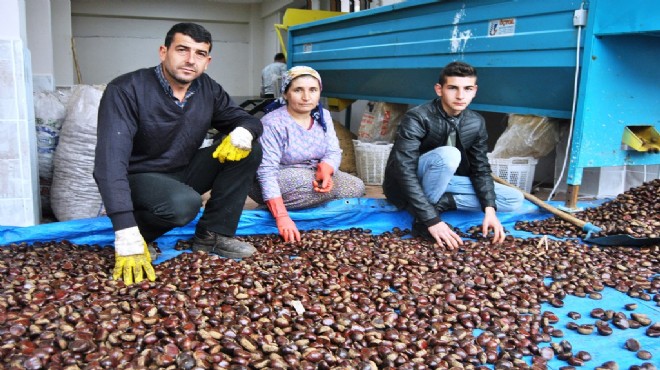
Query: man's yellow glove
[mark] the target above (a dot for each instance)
(235, 146)
(132, 257)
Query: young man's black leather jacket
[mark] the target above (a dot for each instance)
(422, 129)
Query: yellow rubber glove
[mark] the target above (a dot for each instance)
(132, 257)
(235, 146)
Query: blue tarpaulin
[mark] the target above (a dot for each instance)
(379, 216)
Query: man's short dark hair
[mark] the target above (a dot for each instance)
(456, 69)
(279, 56)
(193, 30)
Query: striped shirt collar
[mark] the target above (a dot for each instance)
(168, 89)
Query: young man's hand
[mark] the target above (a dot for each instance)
(491, 222)
(444, 235)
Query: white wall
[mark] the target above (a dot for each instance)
(19, 197)
(112, 38)
(39, 37)
(269, 33)
(272, 13)
(13, 11)
(62, 38)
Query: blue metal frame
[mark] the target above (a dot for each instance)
(619, 84)
(394, 53)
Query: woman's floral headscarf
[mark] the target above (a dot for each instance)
(287, 78)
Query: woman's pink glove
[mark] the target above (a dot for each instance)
(285, 225)
(323, 178)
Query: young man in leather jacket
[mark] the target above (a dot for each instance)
(438, 162)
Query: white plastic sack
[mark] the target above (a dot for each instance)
(49, 112)
(528, 136)
(380, 121)
(74, 194)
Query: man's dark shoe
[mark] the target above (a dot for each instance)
(445, 203)
(211, 242)
(421, 230)
(154, 251)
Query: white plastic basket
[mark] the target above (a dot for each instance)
(370, 160)
(518, 171)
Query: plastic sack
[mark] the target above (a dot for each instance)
(380, 121)
(345, 137)
(49, 113)
(74, 194)
(528, 136)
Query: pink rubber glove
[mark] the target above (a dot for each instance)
(285, 225)
(323, 178)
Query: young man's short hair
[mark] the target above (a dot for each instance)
(456, 69)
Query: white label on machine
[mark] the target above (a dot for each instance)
(307, 48)
(502, 27)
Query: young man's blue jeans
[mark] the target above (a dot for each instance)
(436, 174)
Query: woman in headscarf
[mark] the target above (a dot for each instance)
(301, 154)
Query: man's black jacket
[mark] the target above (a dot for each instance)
(425, 128)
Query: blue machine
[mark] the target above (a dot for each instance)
(527, 53)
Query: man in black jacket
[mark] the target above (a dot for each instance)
(149, 167)
(438, 162)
